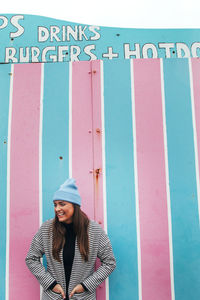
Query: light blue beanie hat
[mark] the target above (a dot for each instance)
(68, 191)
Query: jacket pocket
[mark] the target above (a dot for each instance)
(50, 295)
(84, 296)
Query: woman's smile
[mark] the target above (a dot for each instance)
(60, 214)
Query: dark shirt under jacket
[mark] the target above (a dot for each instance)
(68, 252)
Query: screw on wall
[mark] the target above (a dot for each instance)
(97, 171)
(94, 71)
(98, 130)
(60, 157)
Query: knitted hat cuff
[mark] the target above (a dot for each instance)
(65, 196)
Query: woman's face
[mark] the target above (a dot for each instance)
(64, 211)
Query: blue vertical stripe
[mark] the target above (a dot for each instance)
(121, 207)
(182, 180)
(4, 114)
(55, 142)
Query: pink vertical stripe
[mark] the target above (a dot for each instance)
(98, 163)
(24, 178)
(82, 150)
(155, 258)
(87, 140)
(97, 140)
(196, 87)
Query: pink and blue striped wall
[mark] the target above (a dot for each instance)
(129, 132)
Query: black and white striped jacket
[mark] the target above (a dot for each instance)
(82, 271)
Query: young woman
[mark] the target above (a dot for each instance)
(71, 243)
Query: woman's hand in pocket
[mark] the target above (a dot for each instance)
(78, 289)
(59, 290)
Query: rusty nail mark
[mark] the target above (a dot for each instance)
(91, 171)
(98, 130)
(100, 222)
(5, 142)
(97, 171)
(10, 74)
(89, 72)
(94, 71)
(60, 157)
(90, 131)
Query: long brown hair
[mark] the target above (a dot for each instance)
(80, 224)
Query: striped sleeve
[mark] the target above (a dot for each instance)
(108, 264)
(33, 261)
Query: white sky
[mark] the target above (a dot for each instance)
(114, 13)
